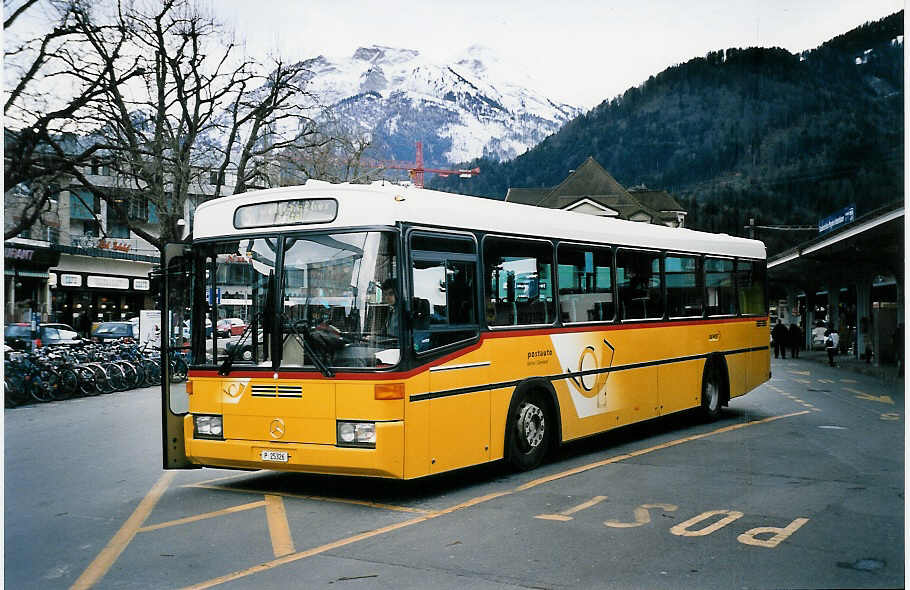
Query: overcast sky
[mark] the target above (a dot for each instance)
(577, 51)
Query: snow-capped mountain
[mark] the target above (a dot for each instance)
(470, 107)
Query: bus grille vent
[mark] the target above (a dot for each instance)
(277, 391)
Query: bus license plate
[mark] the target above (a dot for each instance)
(276, 456)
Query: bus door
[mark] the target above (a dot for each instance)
(443, 314)
(176, 274)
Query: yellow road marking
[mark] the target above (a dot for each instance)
(341, 543)
(682, 529)
(891, 416)
(208, 481)
(803, 381)
(318, 498)
(672, 443)
(198, 517)
(807, 373)
(103, 562)
(564, 515)
(279, 530)
(883, 399)
(826, 380)
(473, 502)
(642, 516)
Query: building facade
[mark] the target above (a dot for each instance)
(78, 259)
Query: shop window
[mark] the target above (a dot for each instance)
(82, 205)
(116, 228)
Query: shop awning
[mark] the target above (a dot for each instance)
(25, 273)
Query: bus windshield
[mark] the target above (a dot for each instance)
(338, 300)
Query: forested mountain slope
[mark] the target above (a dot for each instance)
(743, 133)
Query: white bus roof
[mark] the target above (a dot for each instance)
(385, 204)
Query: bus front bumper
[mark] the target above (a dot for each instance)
(385, 460)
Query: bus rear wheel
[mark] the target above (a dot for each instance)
(711, 393)
(529, 430)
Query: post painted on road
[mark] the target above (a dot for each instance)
(780, 534)
(642, 516)
(682, 529)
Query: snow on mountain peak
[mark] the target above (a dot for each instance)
(474, 105)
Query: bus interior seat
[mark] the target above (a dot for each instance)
(420, 313)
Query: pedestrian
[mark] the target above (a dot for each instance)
(796, 337)
(898, 338)
(779, 336)
(831, 342)
(85, 325)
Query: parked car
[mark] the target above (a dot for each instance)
(114, 330)
(231, 327)
(187, 331)
(246, 351)
(17, 336)
(59, 334)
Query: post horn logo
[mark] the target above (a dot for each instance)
(277, 428)
(589, 385)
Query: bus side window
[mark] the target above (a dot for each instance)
(638, 284)
(443, 304)
(720, 288)
(585, 284)
(518, 281)
(750, 285)
(685, 285)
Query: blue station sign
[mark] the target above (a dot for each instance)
(835, 220)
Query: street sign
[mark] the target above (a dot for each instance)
(835, 220)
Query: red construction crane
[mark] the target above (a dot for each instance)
(416, 170)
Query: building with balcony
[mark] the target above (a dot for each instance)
(79, 259)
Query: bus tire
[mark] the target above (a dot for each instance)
(529, 430)
(712, 391)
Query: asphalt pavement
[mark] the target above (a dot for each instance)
(800, 484)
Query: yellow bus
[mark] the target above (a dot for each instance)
(398, 332)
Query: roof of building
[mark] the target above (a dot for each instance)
(592, 182)
(659, 200)
(527, 196)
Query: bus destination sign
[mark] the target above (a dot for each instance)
(294, 212)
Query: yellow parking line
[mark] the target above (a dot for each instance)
(341, 543)
(103, 562)
(672, 443)
(262, 567)
(320, 499)
(279, 529)
(202, 484)
(564, 515)
(198, 517)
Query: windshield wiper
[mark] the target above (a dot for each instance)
(225, 367)
(303, 339)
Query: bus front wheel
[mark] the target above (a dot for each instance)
(711, 392)
(530, 428)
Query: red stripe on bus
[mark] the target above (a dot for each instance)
(383, 376)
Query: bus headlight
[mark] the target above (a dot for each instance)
(356, 434)
(207, 426)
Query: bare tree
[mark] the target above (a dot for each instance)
(338, 157)
(166, 101)
(40, 124)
